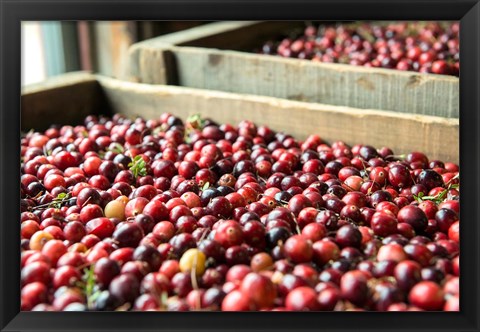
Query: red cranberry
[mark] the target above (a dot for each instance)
(298, 249)
(427, 295)
(302, 299)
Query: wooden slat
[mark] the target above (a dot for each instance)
(112, 40)
(148, 65)
(162, 61)
(225, 35)
(437, 137)
(66, 99)
(69, 98)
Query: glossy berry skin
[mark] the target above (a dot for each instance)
(173, 215)
(413, 216)
(229, 233)
(430, 179)
(325, 251)
(407, 274)
(302, 299)
(105, 270)
(298, 249)
(125, 288)
(348, 236)
(427, 295)
(353, 286)
(32, 294)
(260, 289)
(445, 218)
(383, 224)
(237, 301)
(399, 176)
(297, 203)
(128, 234)
(101, 227)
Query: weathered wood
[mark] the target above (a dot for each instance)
(166, 60)
(224, 35)
(66, 99)
(112, 40)
(70, 98)
(435, 136)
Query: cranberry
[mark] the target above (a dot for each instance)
(36, 272)
(399, 176)
(33, 294)
(348, 236)
(101, 227)
(407, 274)
(148, 254)
(383, 224)
(445, 218)
(128, 234)
(302, 299)
(419, 253)
(260, 289)
(298, 249)
(430, 179)
(236, 301)
(413, 216)
(125, 288)
(229, 233)
(427, 295)
(88, 196)
(325, 251)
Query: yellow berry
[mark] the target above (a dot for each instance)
(115, 209)
(78, 247)
(261, 261)
(38, 240)
(124, 199)
(193, 259)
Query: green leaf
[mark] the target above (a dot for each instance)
(138, 166)
(195, 121)
(117, 147)
(47, 152)
(419, 197)
(62, 195)
(88, 285)
(440, 197)
(58, 201)
(164, 299)
(206, 186)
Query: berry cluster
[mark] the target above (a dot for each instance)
(121, 214)
(422, 47)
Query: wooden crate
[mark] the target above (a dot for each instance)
(70, 98)
(212, 57)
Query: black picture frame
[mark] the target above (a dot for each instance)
(14, 11)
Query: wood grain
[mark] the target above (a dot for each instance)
(437, 137)
(209, 67)
(66, 99)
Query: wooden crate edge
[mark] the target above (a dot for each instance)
(63, 99)
(436, 136)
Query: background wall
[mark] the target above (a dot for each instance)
(51, 48)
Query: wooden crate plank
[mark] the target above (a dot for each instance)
(155, 60)
(303, 80)
(226, 34)
(148, 65)
(112, 41)
(66, 99)
(435, 136)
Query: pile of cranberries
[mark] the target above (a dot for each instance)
(422, 47)
(121, 214)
